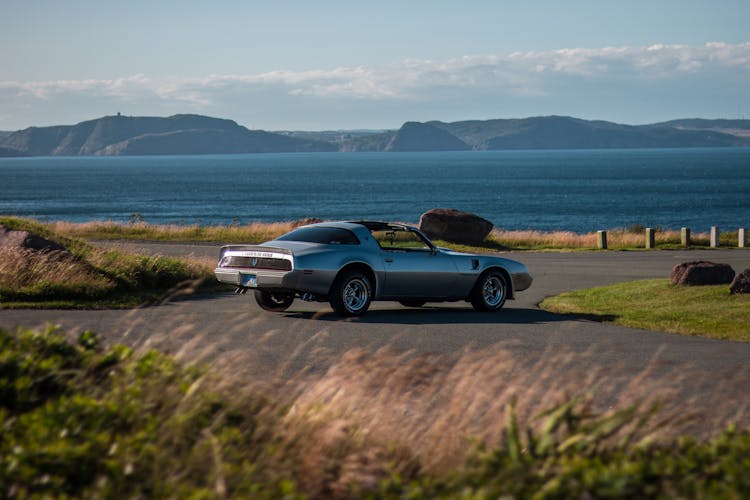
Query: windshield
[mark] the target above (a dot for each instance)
(323, 235)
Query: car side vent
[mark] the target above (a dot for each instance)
(475, 263)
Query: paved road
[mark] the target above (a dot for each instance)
(232, 330)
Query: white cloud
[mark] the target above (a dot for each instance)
(514, 72)
(119, 87)
(516, 75)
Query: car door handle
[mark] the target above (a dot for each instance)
(389, 259)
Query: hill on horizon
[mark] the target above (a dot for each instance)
(133, 135)
(564, 132)
(195, 134)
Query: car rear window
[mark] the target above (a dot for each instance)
(323, 235)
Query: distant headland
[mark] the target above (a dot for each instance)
(119, 135)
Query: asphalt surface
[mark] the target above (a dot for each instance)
(231, 329)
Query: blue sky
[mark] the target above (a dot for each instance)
(298, 65)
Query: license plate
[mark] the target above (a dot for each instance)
(249, 280)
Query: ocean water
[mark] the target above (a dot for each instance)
(579, 190)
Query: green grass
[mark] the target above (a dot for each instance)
(708, 311)
(83, 421)
(87, 276)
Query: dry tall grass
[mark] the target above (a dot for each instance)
(259, 232)
(248, 233)
(616, 238)
(28, 276)
(535, 239)
(361, 414)
(25, 271)
(372, 414)
(438, 406)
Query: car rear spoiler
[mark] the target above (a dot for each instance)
(262, 251)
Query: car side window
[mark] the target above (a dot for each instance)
(400, 240)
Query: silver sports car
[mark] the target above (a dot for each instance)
(350, 264)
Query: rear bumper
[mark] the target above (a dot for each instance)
(265, 279)
(297, 280)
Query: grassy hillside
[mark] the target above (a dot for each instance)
(87, 276)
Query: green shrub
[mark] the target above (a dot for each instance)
(82, 422)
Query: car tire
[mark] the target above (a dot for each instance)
(412, 303)
(490, 292)
(351, 294)
(275, 302)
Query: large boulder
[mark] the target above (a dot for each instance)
(25, 240)
(453, 225)
(701, 273)
(741, 283)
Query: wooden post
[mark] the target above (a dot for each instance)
(601, 240)
(650, 239)
(685, 236)
(742, 238)
(714, 237)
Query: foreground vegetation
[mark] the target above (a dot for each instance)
(80, 420)
(619, 239)
(708, 311)
(85, 276)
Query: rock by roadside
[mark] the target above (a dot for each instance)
(741, 283)
(701, 272)
(25, 240)
(453, 225)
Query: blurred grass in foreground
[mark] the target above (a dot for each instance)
(708, 311)
(84, 421)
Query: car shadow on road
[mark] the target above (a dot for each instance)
(443, 316)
